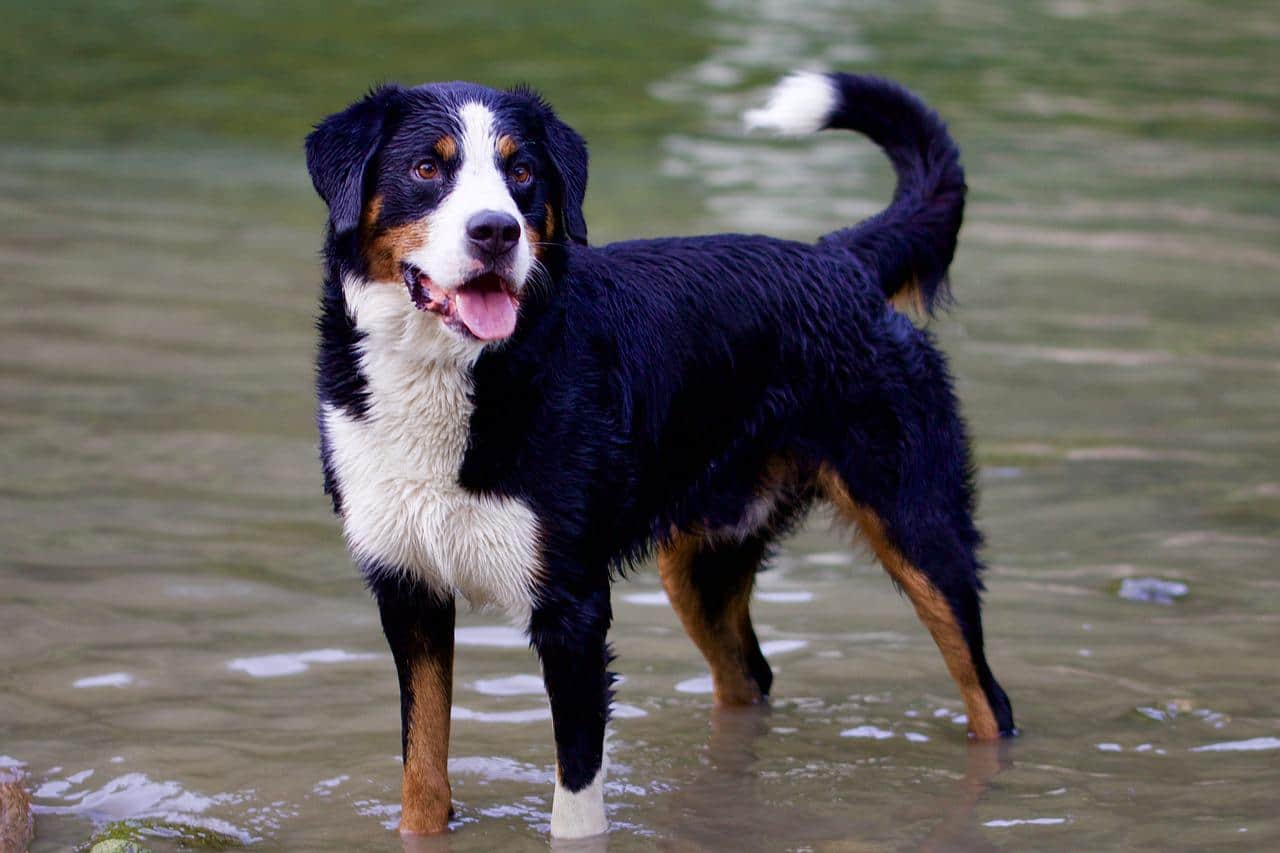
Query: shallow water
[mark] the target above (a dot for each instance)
(182, 636)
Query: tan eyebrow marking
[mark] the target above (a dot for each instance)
(507, 146)
(447, 147)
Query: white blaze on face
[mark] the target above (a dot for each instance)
(478, 186)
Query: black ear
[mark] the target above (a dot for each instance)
(568, 152)
(339, 150)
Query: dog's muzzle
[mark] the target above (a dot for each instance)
(484, 306)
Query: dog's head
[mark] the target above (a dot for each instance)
(451, 193)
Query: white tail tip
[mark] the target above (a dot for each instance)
(802, 102)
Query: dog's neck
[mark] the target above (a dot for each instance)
(398, 462)
(395, 329)
(418, 374)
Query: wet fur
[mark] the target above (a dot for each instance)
(654, 389)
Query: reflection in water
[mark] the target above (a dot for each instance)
(760, 185)
(426, 843)
(958, 828)
(729, 799)
(595, 844)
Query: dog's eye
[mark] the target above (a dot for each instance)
(427, 170)
(521, 174)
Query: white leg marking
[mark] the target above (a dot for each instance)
(579, 815)
(801, 103)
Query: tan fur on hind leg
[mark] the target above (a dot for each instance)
(725, 639)
(931, 606)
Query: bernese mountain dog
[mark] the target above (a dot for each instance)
(512, 416)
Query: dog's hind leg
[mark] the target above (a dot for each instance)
(709, 583)
(935, 565)
(419, 628)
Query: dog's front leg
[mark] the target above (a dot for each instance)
(568, 631)
(419, 628)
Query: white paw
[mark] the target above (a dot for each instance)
(579, 815)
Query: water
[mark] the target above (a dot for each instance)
(184, 639)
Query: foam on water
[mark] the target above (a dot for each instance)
(958, 719)
(785, 597)
(511, 685)
(828, 558)
(871, 732)
(700, 684)
(782, 647)
(292, 663)
(52, 789)
(388, 814)
(1152, 590)
(529, 715)
(647, 599)
(137, 796)
(499, 768)
(325, 787)
(1257, 743)
(111, 679)
(492, 636)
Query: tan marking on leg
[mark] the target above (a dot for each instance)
(507, 146)
(425, 796)
(723, 639)
(931, 606)
(446, 147)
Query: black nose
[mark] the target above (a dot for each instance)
(492, 233)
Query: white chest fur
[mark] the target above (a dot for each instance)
(397, 468)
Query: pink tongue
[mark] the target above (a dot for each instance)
(489, 314)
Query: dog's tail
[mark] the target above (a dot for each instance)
(911, 242)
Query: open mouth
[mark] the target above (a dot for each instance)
(483, 307)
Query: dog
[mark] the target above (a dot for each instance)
(511, 416)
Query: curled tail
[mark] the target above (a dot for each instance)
(910, 243)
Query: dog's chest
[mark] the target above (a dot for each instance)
(403, 508)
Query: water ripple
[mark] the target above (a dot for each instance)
(292, 663)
